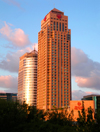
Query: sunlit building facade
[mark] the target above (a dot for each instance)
(27, 78)
(54, 61)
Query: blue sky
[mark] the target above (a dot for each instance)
(20, 22)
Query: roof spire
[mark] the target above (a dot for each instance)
(34, 48)
(54, 5)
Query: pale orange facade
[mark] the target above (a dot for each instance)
(54, 61)
(78, 106)
(27, 78)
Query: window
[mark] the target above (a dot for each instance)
(54, 25)
(60, 27)
(57, 26)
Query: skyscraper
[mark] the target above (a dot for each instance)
(27, 78)
(54, 61)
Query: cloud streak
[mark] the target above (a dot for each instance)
(13, 2)
(17, 37)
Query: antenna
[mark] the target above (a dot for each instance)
(34, 48)
(54, 5)
(62, 10)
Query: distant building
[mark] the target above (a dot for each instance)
(27, 78)
(54, 61)
(96, 99)
(9, 96)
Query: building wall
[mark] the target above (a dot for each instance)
(98, 102)
(96, 99)
(9, 96)
(54, 61)
(74, 108)
(27, 78)
(78, 105)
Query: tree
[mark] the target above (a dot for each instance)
(85, 120)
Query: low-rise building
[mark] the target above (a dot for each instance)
(77, 106)
(9, 96)
(96, 99)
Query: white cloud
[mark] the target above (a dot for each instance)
(78, 94)
(11, 62)
(2, 91)
(9, 82)
(17, 37)
(85, 70)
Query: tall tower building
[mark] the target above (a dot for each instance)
(27, 78)
(54, 61)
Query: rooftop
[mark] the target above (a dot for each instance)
(33, 53)
(91, 95)
(57, 11)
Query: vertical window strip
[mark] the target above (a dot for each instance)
(57, 26)
(54, 25)
(63, 27)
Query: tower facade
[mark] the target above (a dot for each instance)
(54, 61)
(27, 78)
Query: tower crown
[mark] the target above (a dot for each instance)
(56, 11)
(34, 52)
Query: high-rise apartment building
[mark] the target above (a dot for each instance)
(54, 61)
(27, 78)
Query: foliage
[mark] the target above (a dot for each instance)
(85, 120)
(97, 125)
(16, 117)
